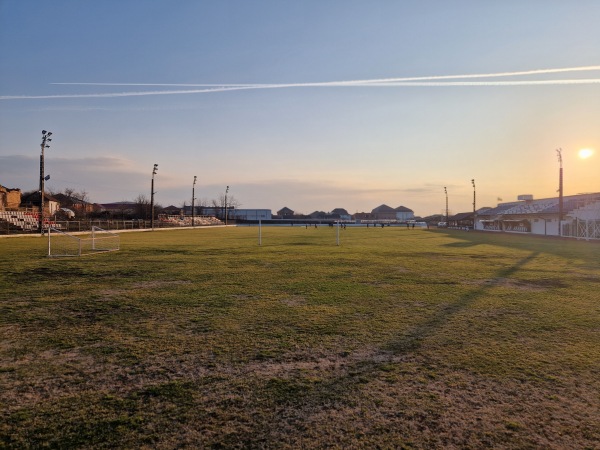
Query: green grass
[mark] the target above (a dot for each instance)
(396, 338)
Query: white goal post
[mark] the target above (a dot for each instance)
(65, 244)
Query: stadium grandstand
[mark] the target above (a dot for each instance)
(186, 221)
(580, 216)
(23, 221)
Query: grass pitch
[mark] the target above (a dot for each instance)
(397, 338)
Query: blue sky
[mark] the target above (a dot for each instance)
(309, 147)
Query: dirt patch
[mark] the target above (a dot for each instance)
(295, 300)
(159, 284)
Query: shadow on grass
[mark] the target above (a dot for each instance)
(462, 244)
(412, 340)
(563, 247)
(297, 391)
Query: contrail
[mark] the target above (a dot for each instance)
(120, 94)
(376, 80)
(428, 81)
(487, 83)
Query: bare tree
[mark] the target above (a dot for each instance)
(75, 200)
(219, 204)
(142, 207)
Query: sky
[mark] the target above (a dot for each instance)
(312, 105)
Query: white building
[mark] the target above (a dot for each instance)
(580, 216)
(233, 214)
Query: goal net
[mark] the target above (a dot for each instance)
(65, 244)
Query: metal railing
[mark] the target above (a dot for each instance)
(73, 226)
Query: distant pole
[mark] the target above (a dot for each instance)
(226, 191)
(152, 197)
(560, 191)
(193, 198)
(446, 192)
(45, 138)
(259, 232)
(474, 207)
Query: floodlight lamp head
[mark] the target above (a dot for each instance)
(49, 133)
(44, 131)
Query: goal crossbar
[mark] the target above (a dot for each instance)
(61, 244)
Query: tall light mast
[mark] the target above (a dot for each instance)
(474, 205)
(560, 191)
(193, 198)
(45, 139)
(152, 197)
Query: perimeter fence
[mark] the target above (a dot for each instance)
(18, 226)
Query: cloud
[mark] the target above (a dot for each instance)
(110, 179)
(97, 174)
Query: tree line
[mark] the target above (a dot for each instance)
(80, 203)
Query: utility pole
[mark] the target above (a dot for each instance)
(474, 207)
(45, 139)
(226, 191)
(152, 197)
(446, 192)
(560, 191)
(193, 198)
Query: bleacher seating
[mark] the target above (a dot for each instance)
(591, 211)
(531, 207)
(26, 221)
(186, 221)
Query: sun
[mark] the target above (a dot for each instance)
(585, 153)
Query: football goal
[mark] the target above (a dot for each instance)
(97, 241)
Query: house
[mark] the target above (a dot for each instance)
(285, 212)
(33, 200)
(403, 213)
(341, 213)
(10, 199)
(318, 215)
(385, 213)
(79, 206)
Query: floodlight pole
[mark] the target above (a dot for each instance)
(560, 191)
(193, 198)
(152, 197)
(45, 138)
(446, 192)
(226, 191)
(474, 207)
